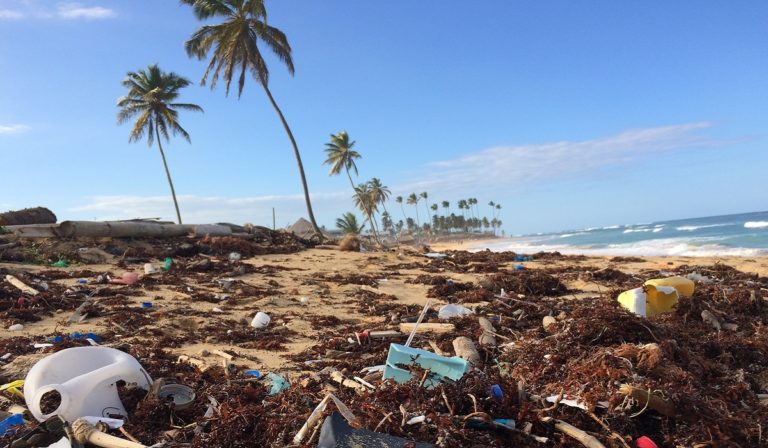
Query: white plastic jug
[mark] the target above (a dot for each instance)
(85, 378)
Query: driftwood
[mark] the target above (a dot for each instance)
(346, 382)
(427, 328)
(650, 400)
(37, 215)
(487, 338)
(466, 350)
(582, 437)
(136, 229)
(21, 285)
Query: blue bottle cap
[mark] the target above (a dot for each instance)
(254, 373)
(497, 392)
(146, 304)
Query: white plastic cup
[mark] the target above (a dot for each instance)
(261, 320)
(149, 269)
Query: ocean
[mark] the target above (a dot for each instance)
(744, 235)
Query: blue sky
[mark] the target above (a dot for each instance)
(569, 114)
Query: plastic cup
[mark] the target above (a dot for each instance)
(261, 320)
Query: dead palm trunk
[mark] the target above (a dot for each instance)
(298, 157)
(167, 172)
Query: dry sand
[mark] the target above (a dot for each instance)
(296, 279)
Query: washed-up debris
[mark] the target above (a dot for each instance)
(436, 368)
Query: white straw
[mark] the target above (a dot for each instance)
(415, 327)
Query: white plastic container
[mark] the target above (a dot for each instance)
(149, 269)
(452, 310)
(261, 320)
(85, 378)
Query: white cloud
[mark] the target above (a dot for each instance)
(207, 209)
(79, 11)
(42, 9)
(507, 166)
(12, 128)
(10, 14)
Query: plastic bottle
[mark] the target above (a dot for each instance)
(84, 378)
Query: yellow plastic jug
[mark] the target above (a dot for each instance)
(683, 285)
(649, 300)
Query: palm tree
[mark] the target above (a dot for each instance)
(424, 196)
(151, 96)
(446, 205)
(498, 208)
(380, 192)
(235, 46)
(491, 204)
(414, 200)
(341, 155)
(366, 202)
(399, 200)
(463, 206)
(348, 224)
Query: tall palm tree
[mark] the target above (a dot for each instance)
(491, 204)
(498, 210)
(340, 155)
(235, 45)
(462, 207)
(348, 224)
(424, 196)
(366, 202)
(380, 191)
(151, 98)
(414, 200)
(399, 200)
(446, 205)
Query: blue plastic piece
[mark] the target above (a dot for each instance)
(440, 367)
(146, 304)
(82, 281)
(8, 425)
(254, 373)
(496, 392)
(277, 383)
(519, 267)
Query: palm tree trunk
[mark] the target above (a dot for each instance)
(167, 173)
(298, 158)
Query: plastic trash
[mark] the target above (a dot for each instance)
(182, 396)
(304, 300)
(149, 269)
(168, 264)
(60, 264)
(519, 267)
(683, 285)
(277, 383)
(128, 278)
(497, 392)
(16, 327)
(435, 255)
(84, 378)
(254, 373)
(235, 256)
(649, 300)
(82, 281)
(13, 388)
(698, 278)
(10, 424)
(440, 367)
(337, 433)
(260, 320)
(645, 442)
(146, 305)
(451, 310)
(415, 420)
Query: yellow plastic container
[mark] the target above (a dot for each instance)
(683, 285)
(649, 300)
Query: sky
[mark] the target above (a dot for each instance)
(569, 114)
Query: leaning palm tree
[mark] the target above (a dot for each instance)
(235, 44)
(399, 200)
(348, 224)
(151, 99)
(424, 196)
(341, 156)
(414, 200)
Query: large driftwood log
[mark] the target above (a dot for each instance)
(37, 215)
(136, 229)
